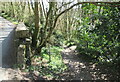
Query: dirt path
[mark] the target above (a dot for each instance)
(80, 69)
(11, 74)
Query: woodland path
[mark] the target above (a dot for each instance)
(79, 68)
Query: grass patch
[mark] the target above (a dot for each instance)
(51, 65)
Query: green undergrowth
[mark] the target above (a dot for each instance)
(51, 65)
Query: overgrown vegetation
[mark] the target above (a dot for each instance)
(99, 33)
(93, 28)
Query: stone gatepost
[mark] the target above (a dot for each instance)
(23, 44)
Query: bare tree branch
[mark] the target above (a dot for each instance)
(43, 9)
(64, 5)
(55, 22)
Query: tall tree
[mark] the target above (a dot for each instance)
(36, 30)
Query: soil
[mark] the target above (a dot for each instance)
(80, 68)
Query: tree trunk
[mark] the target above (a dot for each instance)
(36, 30)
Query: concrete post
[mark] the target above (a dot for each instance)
(23, 42)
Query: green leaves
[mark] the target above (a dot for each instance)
(56, 64)
(99, 40)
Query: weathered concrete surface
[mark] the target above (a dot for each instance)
(21, 31)
(3, 75)
(7, 52)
